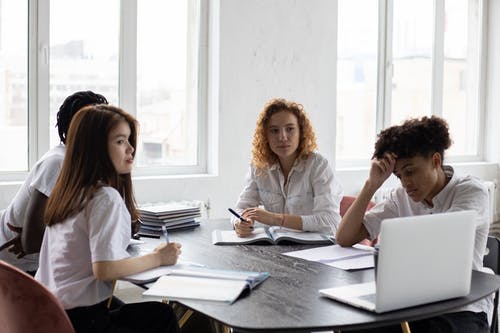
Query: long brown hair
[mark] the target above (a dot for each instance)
(87, 165)
(262, 155)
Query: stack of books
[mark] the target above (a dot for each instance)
(173, 216)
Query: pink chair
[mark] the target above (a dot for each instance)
(344, 206)
(27, 306)
(347, 202)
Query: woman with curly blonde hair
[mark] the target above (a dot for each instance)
(295, 185)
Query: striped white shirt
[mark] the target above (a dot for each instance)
(312, 191)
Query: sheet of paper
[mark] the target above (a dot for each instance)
(296, 234)
(331, 253)
(230, 236)
(188, 287)
(214, 273)
(134, 242)
(155, 273)
(354, 263)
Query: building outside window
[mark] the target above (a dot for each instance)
(403, 59)
(145, 56)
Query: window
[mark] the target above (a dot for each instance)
(403, 59)
(83, 53)
(13, 86)
(166, 81)
(461, 66)
(356, 78)
(147, 57)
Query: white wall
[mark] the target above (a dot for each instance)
(284, 48)
(277, 48)
(280, 48)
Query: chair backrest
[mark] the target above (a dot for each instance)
(347, 201)
(492, 257)
(492, 260)
(27, 306)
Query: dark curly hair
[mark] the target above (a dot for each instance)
(262, 155)
(71, 105)
(423, 137)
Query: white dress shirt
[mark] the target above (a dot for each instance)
(42, 178)
(461, 193)
(100, 232)
(312, 192)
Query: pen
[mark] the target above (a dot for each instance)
(237, 215)
(165, 233)
(242, 219)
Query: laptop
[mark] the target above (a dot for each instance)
(421, 259)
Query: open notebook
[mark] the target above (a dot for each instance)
(270, 235)
(205, 284)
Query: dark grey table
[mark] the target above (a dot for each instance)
(289, 300)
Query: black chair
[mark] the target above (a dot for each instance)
(492, 260)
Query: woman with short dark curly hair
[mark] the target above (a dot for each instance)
(295, 184)
(414, 152)
(21, 223)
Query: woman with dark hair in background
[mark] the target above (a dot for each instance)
(21, 224)
(88, 228)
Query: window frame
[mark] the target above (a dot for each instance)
(385, 69)
(39, 83)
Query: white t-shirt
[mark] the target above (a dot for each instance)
(42, 177)
(312, 191)
(100, 232)
(461, 193)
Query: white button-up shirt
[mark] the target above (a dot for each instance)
(461, 193)
(312, 192)
(99, 232)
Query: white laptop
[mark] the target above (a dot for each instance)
(421, 259)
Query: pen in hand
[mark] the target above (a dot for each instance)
(242, 219)
(165, 233)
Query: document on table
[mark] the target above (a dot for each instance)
(205, 284)
(271, 235)
(347, 258)
(153, 274)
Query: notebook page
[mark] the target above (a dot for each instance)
(188, 287)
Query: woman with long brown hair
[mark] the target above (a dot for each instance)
(88, 218)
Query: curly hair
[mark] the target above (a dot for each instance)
(423, 137)
(262, 155)
(71, 105)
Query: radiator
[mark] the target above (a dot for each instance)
(492, 196)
